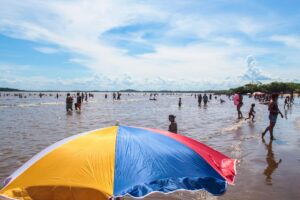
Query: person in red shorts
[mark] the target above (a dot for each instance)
(78, 102)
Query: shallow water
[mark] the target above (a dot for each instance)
(28, 125)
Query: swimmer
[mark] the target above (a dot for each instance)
(173, 125)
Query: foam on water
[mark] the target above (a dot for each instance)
(233, 127)
(177, 195)
(24, 105)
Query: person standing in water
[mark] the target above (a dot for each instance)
(86, 97)
(199, 99)
(179, 103)
(292, 97)
(274, 111)
(69, 103)
(82, 97)
(173, 125)
(119, 96)
(78, 102)
(240, 104)
(205, 99)
(286, 102)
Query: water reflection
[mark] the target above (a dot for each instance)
(272, 164)
(285, 113)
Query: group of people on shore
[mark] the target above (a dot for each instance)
(273, 108)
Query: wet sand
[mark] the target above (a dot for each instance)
(29, 125)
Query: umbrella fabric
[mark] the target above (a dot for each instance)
(258, 93)
(120, 160)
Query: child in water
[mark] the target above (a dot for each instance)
(251, 112)
(173, 125)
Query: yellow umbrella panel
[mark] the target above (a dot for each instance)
(75, 168)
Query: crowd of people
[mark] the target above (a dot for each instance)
(205, 98)
(202, 99)
(273, 108)
(80, 98)
(271, 99)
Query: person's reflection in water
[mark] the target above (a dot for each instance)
(272, 164)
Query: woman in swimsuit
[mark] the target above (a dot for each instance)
(274, 111)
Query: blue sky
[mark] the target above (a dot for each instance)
(148, 44)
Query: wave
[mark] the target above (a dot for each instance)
(22, 105)
(234, 126)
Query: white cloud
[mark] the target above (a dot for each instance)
(47, 50)
(76, 27)
(112, 83)
(253, 72)
(288, 40)
(123, 81)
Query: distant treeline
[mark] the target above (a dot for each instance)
(274, 87)
(8, 89)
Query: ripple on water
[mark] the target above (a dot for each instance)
(298, 123)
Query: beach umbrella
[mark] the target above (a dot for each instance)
(258, 93)
(117, 161)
